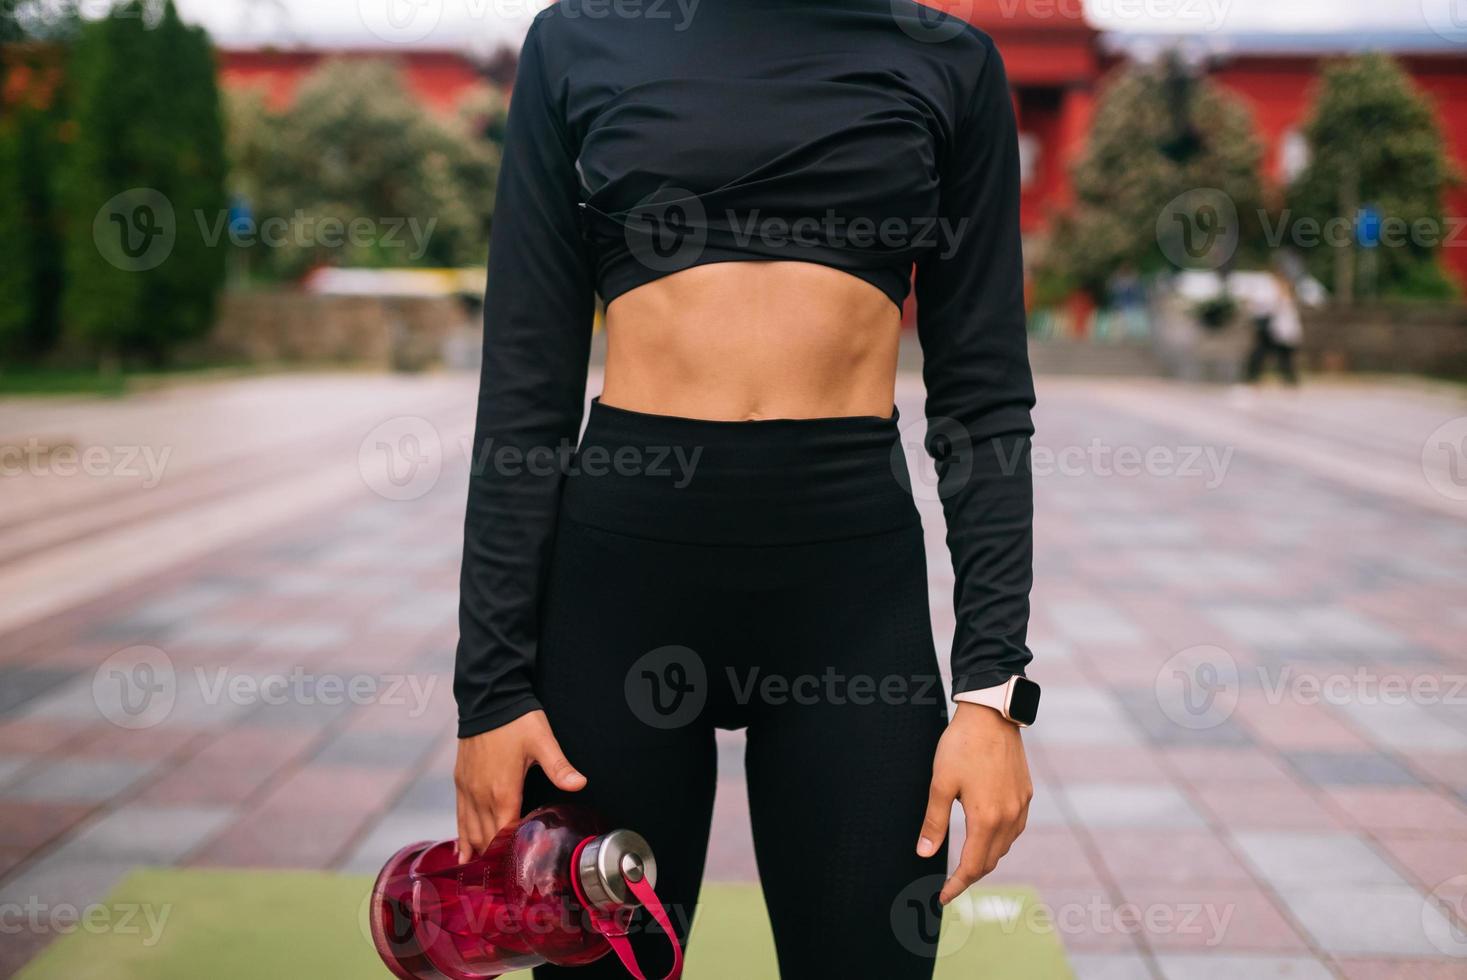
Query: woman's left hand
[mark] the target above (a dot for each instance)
(980, 760)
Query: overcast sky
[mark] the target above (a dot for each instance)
(484, 23)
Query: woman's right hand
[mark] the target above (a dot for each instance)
(490, 777)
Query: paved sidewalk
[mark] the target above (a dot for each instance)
(1249, 623)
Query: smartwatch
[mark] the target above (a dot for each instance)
(1017, 699)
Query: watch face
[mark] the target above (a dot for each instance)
(1024, 701)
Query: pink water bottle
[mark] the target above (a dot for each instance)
(553, 887)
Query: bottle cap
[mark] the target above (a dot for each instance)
(611, 860)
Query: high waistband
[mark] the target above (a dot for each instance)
(759, 483)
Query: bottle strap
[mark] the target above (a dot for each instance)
(623, 948)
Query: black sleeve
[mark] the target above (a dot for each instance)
(970, 320)
(538, 314)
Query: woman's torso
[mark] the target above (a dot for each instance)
(757, 179)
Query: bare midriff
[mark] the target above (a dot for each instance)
(750, 340)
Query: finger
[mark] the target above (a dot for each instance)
(977, 841)
(556, 766)
(470, 829)
(934, 822)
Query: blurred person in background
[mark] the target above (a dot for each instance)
(739, 510)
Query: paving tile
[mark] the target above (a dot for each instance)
(329, 789)
(1212, 917)
(1134, 857)
(274, 839)
(1388, 809)
(1089, 919)
(1447, 767)
(1351, 769)
(62, 878)
(1081, 763)
(1267, 807)
(1431, 860)
(1129, 805)
(21, 685)
(385, 750)
(1160, 730)
(1287, 859)
(392, 833)
(1212, 966)
(1094, 623)
(431, 792)
(1406, 727)
(202, 783)
(151, 834)
(68, 780)
(28, 826)
(1209, 765)
(1047, 854)
(1107, 966)
(1353, 968)
(1374, 919)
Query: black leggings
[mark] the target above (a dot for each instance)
(770, 576)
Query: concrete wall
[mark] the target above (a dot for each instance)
(402, 333)
(1411, 338)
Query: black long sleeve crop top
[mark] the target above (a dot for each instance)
(871, 136)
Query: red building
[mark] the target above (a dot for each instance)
(439, 78)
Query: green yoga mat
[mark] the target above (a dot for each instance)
(245, 925)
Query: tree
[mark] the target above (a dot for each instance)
(1374, 143)
(356, 150)
(144, 179)
(1160, 132)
